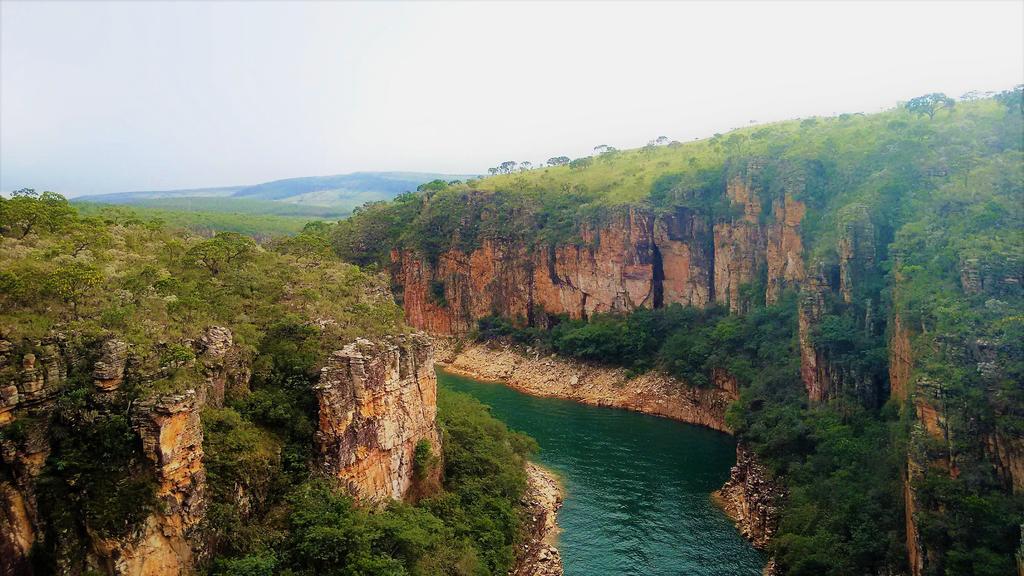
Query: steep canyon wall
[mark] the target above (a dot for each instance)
(377, 401)
(637, 259)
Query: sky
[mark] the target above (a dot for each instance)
(108, 97)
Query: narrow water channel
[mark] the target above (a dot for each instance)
(637, 486)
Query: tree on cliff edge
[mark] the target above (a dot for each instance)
(929, 104)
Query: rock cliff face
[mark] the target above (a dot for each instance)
(167, 543)
(539, 556)
(752, 499)
(167, 426)
(378, 400)
(634, 259)
(932, 447)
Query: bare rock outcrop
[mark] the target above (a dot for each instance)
(225, 367)
(108, 371)
(378, 400)
(166, 543)
(541, 375)
(751, 498)
(539, 554)
(633, 258)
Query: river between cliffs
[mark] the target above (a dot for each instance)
(637, 486)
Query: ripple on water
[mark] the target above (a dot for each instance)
(637, 487)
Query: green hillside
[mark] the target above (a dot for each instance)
(79, 280)
(936, 190)
(320, 197)
(253, 223)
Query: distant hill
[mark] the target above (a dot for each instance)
(315, 196)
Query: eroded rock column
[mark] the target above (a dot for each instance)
(378, 400)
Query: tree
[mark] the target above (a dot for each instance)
(600, 148)
(70, 282)
(27, 211)
(929, 104)
(1013, 98)
(433, 185)
(581, 163)
(558, 161)
(525, 165)
(661, 140)
(975, 95)
(507, 167)
(222, 251)
(492, 171)
(86, 233)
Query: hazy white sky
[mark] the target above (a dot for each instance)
(102, 97)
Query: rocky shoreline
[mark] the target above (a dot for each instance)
(550, 376)
(539, 555)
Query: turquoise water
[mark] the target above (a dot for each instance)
(637, 486)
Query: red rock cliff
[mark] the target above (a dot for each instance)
(635, 259)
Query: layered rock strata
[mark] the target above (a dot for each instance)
(378, 400)
(168, 427)
(166, 543)
(751, 498)
(635, 258)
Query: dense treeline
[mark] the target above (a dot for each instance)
(200, 219)
(288, 303)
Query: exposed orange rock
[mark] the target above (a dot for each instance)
(856, 248)
(785, 248)
(751, 498)
(225, 367)
(814, 368)
(1007, 453)
(377, 401)
(900, 360)
(108, 371)
(915, 550)
(684, 241)
(165, 544)
(739, 246)
(18, 529)
(635, 259)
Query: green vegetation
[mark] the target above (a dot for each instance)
(936, 189)
(269, 208)
(304, 526)
(288, 304)
(263, 225)
(147, 284)
(960, 293)
(229, 204)
(843, 168)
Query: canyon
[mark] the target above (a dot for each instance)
(750, 497)
(637, 258)
(642, 259)
(378, 400)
